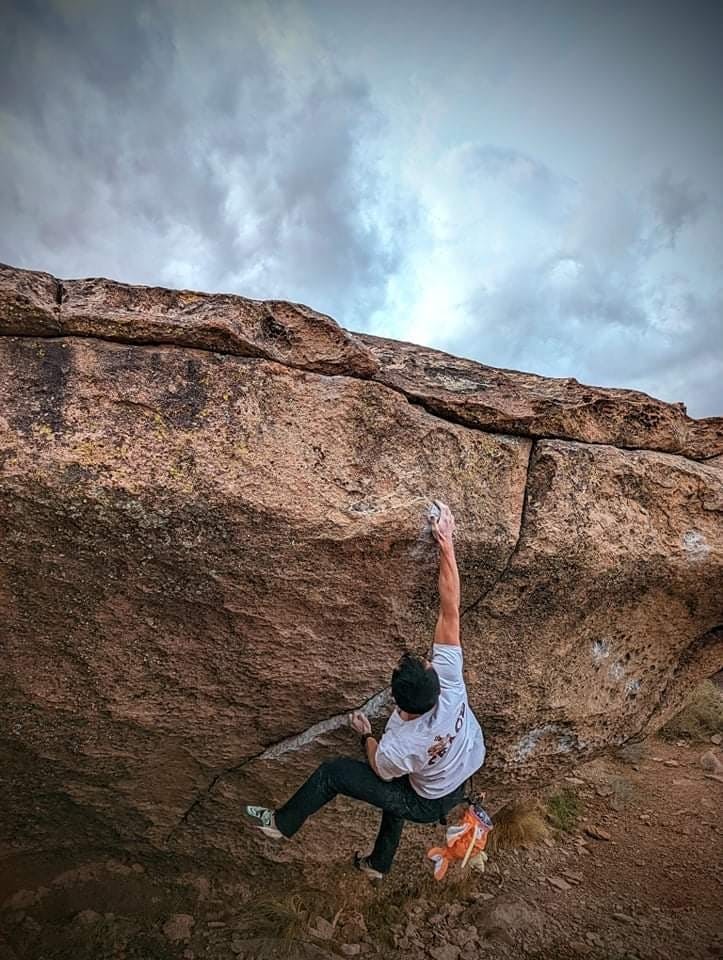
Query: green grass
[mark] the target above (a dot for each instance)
(564, 809)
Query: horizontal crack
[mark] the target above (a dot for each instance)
(371, 707)
(432, 409)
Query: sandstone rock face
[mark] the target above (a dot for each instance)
(213, 547)
(507, 401)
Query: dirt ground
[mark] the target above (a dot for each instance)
(655, 888)
(637, 876)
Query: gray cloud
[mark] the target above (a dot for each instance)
(676, 205)
(533, 188)
(179, 149)
(587, 305)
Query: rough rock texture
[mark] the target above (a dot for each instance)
(507, 401)
(213, 547)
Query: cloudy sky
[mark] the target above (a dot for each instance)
(536, 185)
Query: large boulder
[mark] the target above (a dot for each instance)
(214, 546)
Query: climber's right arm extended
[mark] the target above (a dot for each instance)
(447, 629)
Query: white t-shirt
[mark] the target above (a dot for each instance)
(442, 748)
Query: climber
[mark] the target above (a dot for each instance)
(431, 745)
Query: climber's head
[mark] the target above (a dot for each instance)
(415, 685)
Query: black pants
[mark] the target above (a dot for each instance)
(397, 800)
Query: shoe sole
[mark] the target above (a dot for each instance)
(271, 832)
(368, 872)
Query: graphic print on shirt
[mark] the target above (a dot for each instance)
(441, 745)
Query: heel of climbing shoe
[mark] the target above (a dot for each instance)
(362, 864)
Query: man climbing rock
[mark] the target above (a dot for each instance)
(431, 745)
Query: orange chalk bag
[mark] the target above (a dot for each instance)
(466, 841)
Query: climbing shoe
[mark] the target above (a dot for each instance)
(263, 819)
(362, 863)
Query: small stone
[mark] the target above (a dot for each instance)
(624, 917)
(178, 927)
(25, 898)
(446, 951)
(575, 781)
(465, 935)
(559, 883)
(350, 949)
(597, 833)
(709, 761)
(670, 763)
(572, 877)
(580, 948)
(216, 924)
(717, 739)
(631, 752)
(322, 929)
(87, 917)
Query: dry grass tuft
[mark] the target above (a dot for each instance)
(700, 719)
(517, 824)
(277, 916)
(282, 917)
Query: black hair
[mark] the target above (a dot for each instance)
(415, 687)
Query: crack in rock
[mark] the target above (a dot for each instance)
(523, 512)
(372, 708)
(428, 406)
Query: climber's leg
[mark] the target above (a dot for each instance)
(385, 846)
(352, 778)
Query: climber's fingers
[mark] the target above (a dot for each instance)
(360, 722)
(441, 520)
(433, 515)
